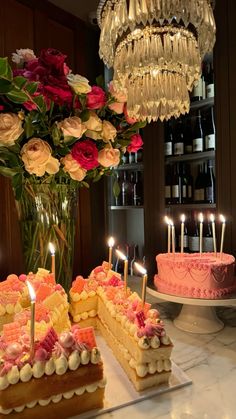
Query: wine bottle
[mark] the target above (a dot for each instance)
(207, 241)
(186, 245)
(125, 158)
(138, 156)
(183, 184)
(197, 91)
(137, 189)
(178, 141)
(126, 190)
(193, 238)
(168, 183)
(199, 188)
(197, 135)
(188, 145)
(134, 259)
(210, 184)
(118, 200)
(210, 87)
(175, 186)
(189, 184)
(168, 139)
(210, 131)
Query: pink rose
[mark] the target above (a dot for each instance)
(129, 120)
(136, 143)
(117, 107)
(120, 96)
(96, 99)
(86, 154)
(109, 157)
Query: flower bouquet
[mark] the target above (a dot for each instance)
(56, 133)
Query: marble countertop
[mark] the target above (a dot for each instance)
(208, 360)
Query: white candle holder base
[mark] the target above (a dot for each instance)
(198, 319)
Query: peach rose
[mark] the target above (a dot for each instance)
(117, 107)
(10, 129)
(109, 157)
(72, 127)
(72, 167)
(37, 158)
(23, 55)
(108, 131)
(94, 123)
(78, 83)
(119, 95)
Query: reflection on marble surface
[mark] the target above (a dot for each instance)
(209, 360)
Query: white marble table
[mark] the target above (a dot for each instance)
(209, 360)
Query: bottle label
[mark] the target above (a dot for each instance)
(168, 149)
(210, 142)
(175, 191)
(210, 194)
(210, 90)
(199, 195)
(197, 91)
(207, 244)
(188, 149)
(193, 244)
(184, 191)
(167, 192)
(178, 148)
(197, 145)
(190, 192)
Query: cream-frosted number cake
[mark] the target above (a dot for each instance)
(194, 275)
(134, 331)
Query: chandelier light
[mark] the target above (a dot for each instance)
(156, 48)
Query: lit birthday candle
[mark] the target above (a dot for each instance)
(143, 271)
(124, 258)
(111, 243)
(201, 219)
(32, 319)
(168, 233)
(182, 233)
(53, 268)
(223, 221)
(213, 226)
(173, 236)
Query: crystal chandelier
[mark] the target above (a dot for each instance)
(156, 48)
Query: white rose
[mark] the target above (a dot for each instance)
(79, 84)
(72, 127)
(37, 158)
(72, 167)
(108, 131)
(23, 56)
(10, 128)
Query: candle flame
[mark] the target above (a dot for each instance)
(111, 242)
(212, 218)
(140, 268)
(182, 218)
(167, 220)
(31, 291)
(121, 255)
(201, 218)
(222, 219)
(52, 249)
(171, 223)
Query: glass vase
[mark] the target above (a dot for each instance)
(47, 213)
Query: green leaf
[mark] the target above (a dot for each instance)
(6, 171)
(39, 100)
(116, 188)
(17, 185)
(56, 134)
(68, 140)
(28, 126)
(63, 151)
(84, 116)
(5, 69)
(85, 184)
(100, 81)
(7, 156)
(97, 178)
(17, 96)
(82, 99)
(31, 87)
(123, 142)
(20, 81)
(5, 86)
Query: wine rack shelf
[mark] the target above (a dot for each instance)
(130, 166)
(191, 206)
(205, 103)
(205, 155)
(127, 207)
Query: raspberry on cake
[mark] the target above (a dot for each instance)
(64, 378)
(134, 332)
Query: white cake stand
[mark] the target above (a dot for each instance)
(197, 315)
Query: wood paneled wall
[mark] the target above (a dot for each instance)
(38, 24)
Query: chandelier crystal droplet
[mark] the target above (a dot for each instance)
(156, 48)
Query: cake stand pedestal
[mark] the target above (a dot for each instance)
(197, 315)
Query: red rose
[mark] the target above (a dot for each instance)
(1, 108)
(86, 154)
(52, 58)
(136, 143)
(58, 95)
(96, 99)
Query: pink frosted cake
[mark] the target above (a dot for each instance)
(195, 276)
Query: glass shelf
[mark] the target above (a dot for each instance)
(205, 155)
(191, 206)
(130, 166)
(114, 207)
(205, 103)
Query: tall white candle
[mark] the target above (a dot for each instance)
(222, 219)
(124, 258)
(182, 233)
(173, 236)
(53, 268)
(168, 233)
(143, 271)
(200, 232)
(213, 227)
(32, 320)
(111, 243)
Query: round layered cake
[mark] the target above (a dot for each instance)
(194, 275)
